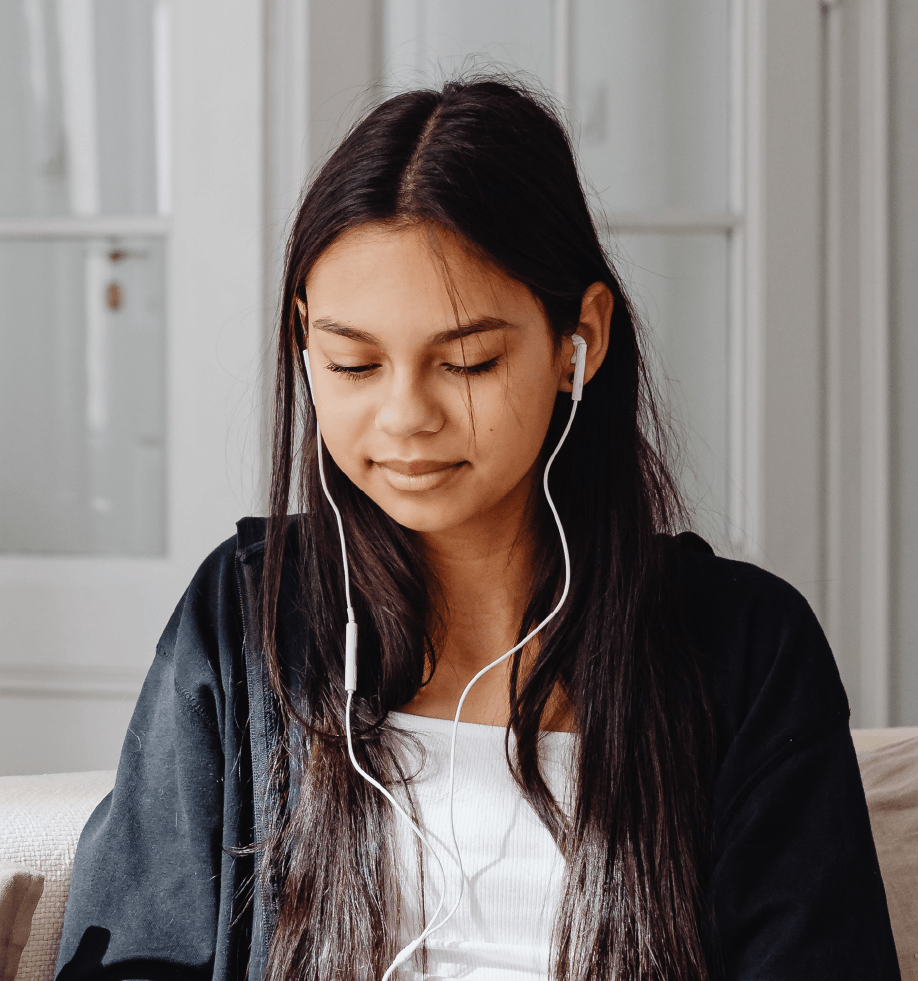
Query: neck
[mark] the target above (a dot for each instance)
(483, 572)
(483, 589)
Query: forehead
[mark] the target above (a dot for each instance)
(409, 277)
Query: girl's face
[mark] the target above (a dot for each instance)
(434, 399)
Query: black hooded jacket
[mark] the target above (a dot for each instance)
(160, 891)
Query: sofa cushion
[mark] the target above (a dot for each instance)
(20, 890)
(890, 775)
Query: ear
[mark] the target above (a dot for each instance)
(301, 309)
(593, 326)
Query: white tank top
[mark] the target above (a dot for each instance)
(513, 869)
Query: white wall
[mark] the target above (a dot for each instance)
(904, 311)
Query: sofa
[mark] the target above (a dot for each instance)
(41, 818)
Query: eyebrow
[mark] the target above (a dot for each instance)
(481, 326)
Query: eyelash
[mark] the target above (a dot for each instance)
(470, 371)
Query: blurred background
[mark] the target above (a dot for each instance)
(754, 165)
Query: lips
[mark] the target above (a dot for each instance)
(418, 475)
(417, 468)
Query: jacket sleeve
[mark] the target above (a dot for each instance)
(152, 889)
(797, 891)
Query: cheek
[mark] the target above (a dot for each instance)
(517, 421)
(344, 423)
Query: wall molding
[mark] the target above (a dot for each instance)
(69, 681)
(856, 352)
(874, 334)
(776, 507)
(562, 50)
(748, 85)
(834, 312)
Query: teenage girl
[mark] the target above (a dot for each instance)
(656, 782)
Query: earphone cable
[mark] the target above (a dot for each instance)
(350, 673)
(351, 682)
(409, 949)
(331, 501)
(457, 857)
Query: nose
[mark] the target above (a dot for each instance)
(409, 408)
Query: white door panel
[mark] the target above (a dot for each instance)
(91, 624)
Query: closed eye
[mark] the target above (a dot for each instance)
(472, 370)
(356, 372)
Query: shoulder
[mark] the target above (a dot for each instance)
(707, 575)
(725, 598)
(201, 647)
(213, 598)
(769, 669)
(210, 600)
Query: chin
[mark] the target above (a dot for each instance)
(425, 520)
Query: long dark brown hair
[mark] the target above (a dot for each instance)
(489, 162)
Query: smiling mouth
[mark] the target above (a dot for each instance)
(418, 468)
(418, 475)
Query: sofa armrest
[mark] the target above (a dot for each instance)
(888, 759)
(867, 740)
(41, 818)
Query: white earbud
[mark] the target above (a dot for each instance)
(579, 362)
